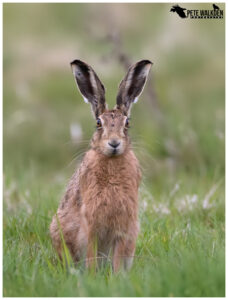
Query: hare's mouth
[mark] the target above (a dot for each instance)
(115, 152)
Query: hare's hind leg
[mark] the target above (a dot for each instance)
(55, 236)
(123, 254)
(66, 232)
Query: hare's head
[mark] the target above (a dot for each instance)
(111, 137)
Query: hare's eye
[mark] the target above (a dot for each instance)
(99, 123)
(127, 123)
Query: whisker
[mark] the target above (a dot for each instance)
(76, 157)
(78, 143)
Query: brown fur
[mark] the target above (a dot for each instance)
(100, 203)
(99, 211)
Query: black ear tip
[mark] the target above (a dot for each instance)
(143, 63)
(80, 65)
(74, 62)
(147, 62)
(77, 62)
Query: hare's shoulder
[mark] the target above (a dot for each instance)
(72, 196)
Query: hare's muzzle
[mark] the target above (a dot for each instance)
(114, 147)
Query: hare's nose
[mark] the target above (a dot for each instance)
(114, 143)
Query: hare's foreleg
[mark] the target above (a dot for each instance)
(91, 255)
(123, 254)
(103, 252)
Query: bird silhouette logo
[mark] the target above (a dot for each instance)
(215, 7)
(179, 10)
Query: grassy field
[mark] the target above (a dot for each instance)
(177, 128)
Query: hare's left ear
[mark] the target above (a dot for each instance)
(132, 85)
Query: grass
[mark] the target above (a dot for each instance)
(181, 246)
(180, 250)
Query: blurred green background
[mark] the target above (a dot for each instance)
(177, 129)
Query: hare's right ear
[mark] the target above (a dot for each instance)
(90, 86)
(132, 85)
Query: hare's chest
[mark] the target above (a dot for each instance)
(111, 180)
(110, 194)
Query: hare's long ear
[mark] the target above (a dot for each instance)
(132, 85)
(90, 86)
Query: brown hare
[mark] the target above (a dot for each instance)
(99, 212)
